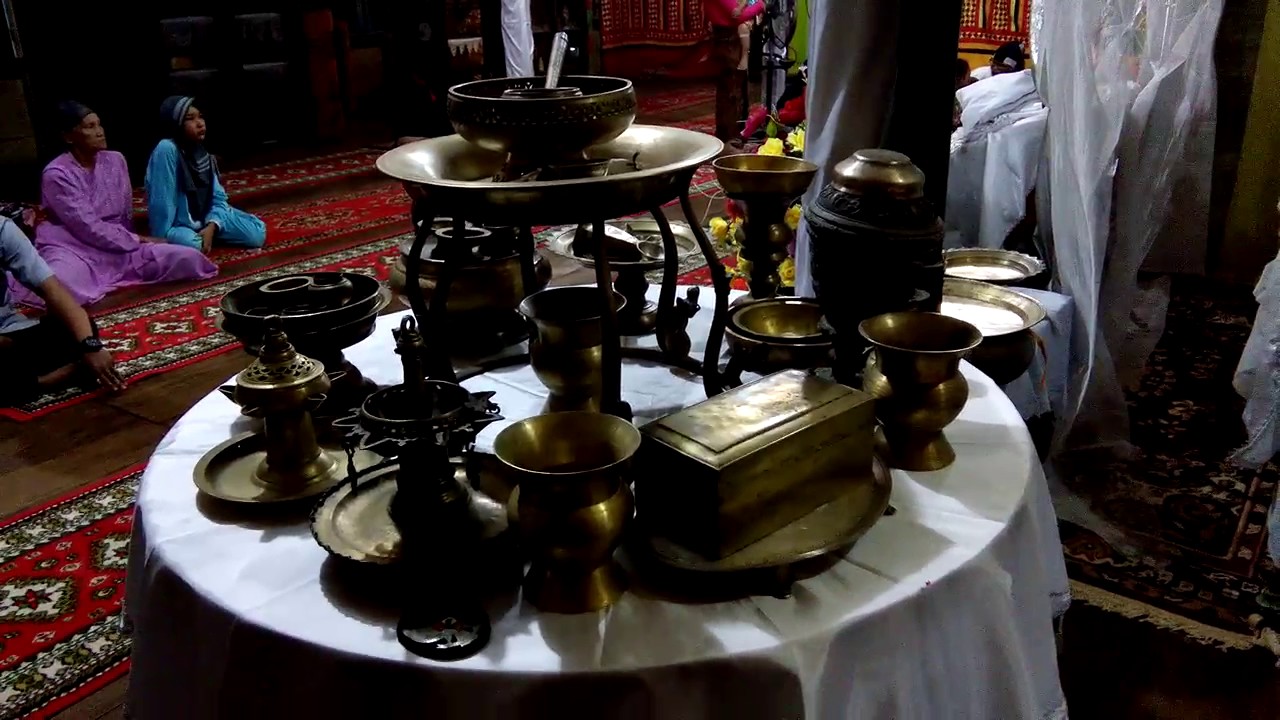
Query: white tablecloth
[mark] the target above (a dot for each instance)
(1043, 387)
(942, 611)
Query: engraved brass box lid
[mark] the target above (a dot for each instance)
(735, 424)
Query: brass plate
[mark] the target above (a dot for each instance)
(991, 265)
(226, 472)
(644, 234)
(830, 527)
(994, 310)
(355, 523)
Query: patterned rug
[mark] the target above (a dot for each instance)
(694, 94)
(651, 22)
(62, 574)
(987, 24)
(1190, 527)
(245, 184)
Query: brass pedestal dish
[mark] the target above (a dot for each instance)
(323, 313)
(1004, 317)
(775, 334)
(998, 267)
(874, 242)
(572, 504)
(766, 185)
(638, 170)
(286, 461)
(914, 375)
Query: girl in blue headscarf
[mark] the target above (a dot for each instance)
(186, 204)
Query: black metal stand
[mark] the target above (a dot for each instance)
(673, 313)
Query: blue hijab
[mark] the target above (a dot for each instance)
(196, 169)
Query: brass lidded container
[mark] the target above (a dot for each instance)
(281, 384)
(874, 242)
(722, 474)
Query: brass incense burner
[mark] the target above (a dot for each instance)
(286, 461)
(766, 185)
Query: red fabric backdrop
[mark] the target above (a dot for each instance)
(987, 24)
(651, 22)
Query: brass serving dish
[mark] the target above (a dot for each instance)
(777, 334)
(1004, 317)
(644, 235)
(228, 472)
(488, 114)
(462, 177)
(831, 527)
(990, 265)
(306, 303)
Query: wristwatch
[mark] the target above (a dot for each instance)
(90, 345)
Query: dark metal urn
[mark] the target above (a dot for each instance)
(875, 247)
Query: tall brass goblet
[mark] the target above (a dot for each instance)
(914, 375)
(766, 185)
(572, 504)
(566, 343)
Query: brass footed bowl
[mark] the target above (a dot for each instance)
(572, 505)
(778, 334)
(540, 126)
(914, 375)
(566, 344)
(1004, 317)
(751, 174)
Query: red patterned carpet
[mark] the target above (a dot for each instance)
(62, 573)
(987, 24)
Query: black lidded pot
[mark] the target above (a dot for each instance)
(875, 246)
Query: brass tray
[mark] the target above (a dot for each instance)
(644, 234)
(994, 310)
(999, 267)
(354, 523)
(832, 526)
(226, 472)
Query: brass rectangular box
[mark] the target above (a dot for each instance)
(722, 474)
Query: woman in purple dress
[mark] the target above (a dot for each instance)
(87, 238)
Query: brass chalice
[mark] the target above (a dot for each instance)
(914, 375)
(572, 504)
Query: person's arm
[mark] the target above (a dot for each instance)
(162, 197)
(60, 304)
(221, 205)
(69, 205)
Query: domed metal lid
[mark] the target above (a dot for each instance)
(278, 366)
(876, 171)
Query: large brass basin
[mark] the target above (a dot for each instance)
(457, 177)
(542, 127)
(1004, 317)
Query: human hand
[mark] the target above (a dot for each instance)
(206, 237)
(103, 367)
(152, 240)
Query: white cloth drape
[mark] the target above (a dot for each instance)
(1131, 91)
(995, 159)
(517, 37)
(851, 79)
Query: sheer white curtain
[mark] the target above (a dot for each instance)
(1131, 91)
(517, 37)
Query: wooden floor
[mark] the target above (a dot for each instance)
(1111, 667)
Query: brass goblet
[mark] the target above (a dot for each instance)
(572, 504)
(566, 345)
(914, 375)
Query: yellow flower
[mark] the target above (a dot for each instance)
(795, 139)
(772, 146)
(793, 217)
(719, 229)
(744, 266)
(787, 272)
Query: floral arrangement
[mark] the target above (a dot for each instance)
(729, 233)
(791, 144)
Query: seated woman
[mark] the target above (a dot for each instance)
(87, 237)
(186, 203)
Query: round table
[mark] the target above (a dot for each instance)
(944, 609)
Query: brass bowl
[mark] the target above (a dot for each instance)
(1004, 317)
(779, 319)
(998, 267)
(486, 114)
(493, 285)
(778, 334)
(751, 174)
(307, 303)
(572, 504)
